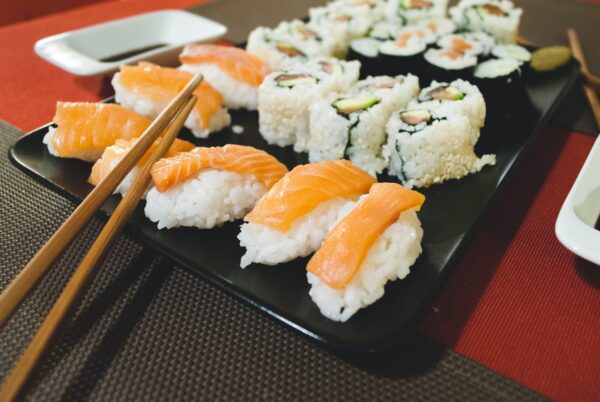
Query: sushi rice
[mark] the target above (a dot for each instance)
(388, 259)
(209, 199)
(268, 246)
(499, 18)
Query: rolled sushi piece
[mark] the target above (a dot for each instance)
(285, 96)
(459, 96)
(426, 147)
(377, 242)
(461, 43)
(352, 18)
(501, 80)
(514, 52)
(413, 11)
(232, 71)
(404, 54)
(438, 26)
(449, 64)
(84, 130)
(206, 187)
(499, 18)
(353, 124)
(148, 89)
(294, 217)
(293, 42)
(115, 153)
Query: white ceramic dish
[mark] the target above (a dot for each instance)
(92, 50)
(578, 215)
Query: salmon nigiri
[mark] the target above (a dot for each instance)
(113, 155)
(206, 187)
(294, 217)
(376, 242)
(148, 88)
(84, 130)
(235, 73)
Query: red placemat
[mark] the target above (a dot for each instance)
(519, 302)
(31, 86)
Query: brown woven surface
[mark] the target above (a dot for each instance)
(148, 330)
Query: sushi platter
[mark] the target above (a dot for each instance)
(308, 116)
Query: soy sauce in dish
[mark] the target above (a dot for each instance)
(130, 53)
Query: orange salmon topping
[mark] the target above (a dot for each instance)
(164, 83)
(461, 45)
(86, 129)
(168, 172)
(116, 152)
(238, 64)
(451, 54)
(344, 250)
(306, 187)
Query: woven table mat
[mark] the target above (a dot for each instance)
(148, 330)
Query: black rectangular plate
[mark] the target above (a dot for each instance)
(449, 217)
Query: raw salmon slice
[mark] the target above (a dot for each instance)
(85, 130)
(306, 187)
(236, 62)
(241, 159)
(113, 155)
(344, 250)
(162, 84)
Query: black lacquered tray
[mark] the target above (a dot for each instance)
(450, 216)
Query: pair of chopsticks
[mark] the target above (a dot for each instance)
(592, 81)
(170, 122)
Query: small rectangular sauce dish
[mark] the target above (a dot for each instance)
(156, 36)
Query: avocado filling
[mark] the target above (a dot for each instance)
(291, 80)
(446, 93)
(288, 49)
(355, 104)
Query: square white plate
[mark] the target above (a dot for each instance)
(578, 215)
(96, 49)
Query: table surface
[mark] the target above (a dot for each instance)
(518, 319)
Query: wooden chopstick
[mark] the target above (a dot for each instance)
(587, 89)
(85, 273)
(28, 278)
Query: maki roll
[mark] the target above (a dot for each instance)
(438, 26)
(366, 50)
(84, 129)
(206, 187)
(514, 52)
(377, 242)
(294, 217)
(404, 54)
(293, 42)
(413, 11)
(115, 153)
(460, 43)
(449, 64)
(352, 18)
(148, 89)
(499, 18)
(459, 97)
(456, 97)
(230, 70)
(284, 98)
(500, 80)
(426, 147)
(353, 124)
